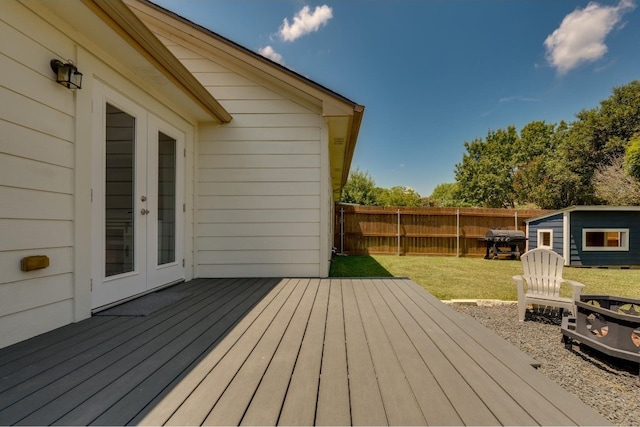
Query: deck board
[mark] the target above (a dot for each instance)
(130, 405)
(264, 408)
(282, 351)
(487, 388)
(468, 405)
(333, 394)
(399, 400)
(87, 351)
(238, 395)
(160, 409)
(35, 346)
(367, 407)
(300, 403)
(103, 382)
(199, 403)
(434, 403)
(565, 407)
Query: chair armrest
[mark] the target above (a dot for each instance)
(577, 288)
(522, 306)
(575, 284)
(519, 280)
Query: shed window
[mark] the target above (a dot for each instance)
(605, 240)
(545, 239)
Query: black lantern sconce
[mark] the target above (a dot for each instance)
(67, 74)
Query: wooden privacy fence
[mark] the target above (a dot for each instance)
(421, 231)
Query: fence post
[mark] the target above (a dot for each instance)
(398, 232)
(517, 220)
(341, 231)
(457, 233)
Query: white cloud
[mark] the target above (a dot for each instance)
(305, 22)
(506, 99)
(270, 53)
(580, 37)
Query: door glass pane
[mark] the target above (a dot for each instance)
(166, 199)
(119, 192)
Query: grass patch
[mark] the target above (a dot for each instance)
(357, 266)
(477, 278)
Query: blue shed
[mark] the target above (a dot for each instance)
(589, 235)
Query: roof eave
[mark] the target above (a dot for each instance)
(118, 15)
(358, 114)
(248, 52)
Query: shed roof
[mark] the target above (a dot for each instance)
(595, 208)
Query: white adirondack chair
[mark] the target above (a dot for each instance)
(543, 277)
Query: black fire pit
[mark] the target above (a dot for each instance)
(512, 242)
(609, 324)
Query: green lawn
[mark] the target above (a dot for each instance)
(460, 278)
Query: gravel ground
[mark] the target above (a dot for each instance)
(610, 386)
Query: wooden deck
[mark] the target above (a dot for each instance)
(282, 351)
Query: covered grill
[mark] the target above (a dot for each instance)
(496, 239)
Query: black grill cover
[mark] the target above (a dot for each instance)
(505, 236)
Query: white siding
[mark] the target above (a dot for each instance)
(258, 190)
(258, 202)
(36, 177)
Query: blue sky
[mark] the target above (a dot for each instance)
(436, 73)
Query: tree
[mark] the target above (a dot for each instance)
(597, 136)
(632, 158)
(537, 143)
(615, 186)
(553, 166)
(360, 188)
(485, 176)
(446, 195)
(398, 196)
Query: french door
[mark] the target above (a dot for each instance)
(137, 200)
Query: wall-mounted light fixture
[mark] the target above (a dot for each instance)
(67, 74)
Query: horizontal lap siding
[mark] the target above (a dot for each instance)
(605, 220)
(36, 177)
(258, 179)
(553, 223)
(258, 204)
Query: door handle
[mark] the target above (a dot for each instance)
(144, 211)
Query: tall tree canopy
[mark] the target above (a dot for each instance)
(553, 166)
(485, 176)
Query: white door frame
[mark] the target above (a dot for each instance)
(146, 275)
